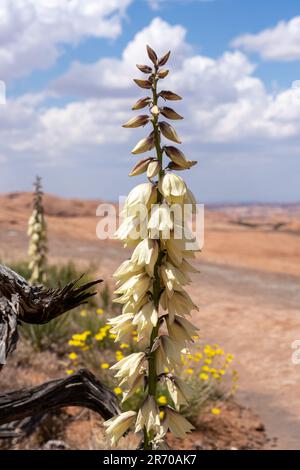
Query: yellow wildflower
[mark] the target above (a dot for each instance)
(215, 411)
(124, 346)
(83, 313)
(220, 352)
(162, 400)
(69, 371)
(99, 336)
(104, 365)
(118, 390)
(203, 376)
(189, 371)
(119, 355)
(75, 343)
(73, 356)
(100, 311)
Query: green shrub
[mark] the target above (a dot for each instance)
(53, 335)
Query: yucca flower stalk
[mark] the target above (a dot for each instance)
(150, 284)
(37, 231)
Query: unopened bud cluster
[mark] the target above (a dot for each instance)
(150, 285)
(37, 231)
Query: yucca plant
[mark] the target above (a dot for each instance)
(37, 231)
(150, 284)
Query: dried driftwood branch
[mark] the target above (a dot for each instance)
(20, 302)
(80, 389)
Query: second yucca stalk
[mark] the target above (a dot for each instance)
(152, 279)
(37, 231)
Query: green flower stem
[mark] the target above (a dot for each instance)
(152, 378)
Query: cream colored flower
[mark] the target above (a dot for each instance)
(176, 250)
(160, 222)
(118, 425)
(181, 330)
(134, 385)
(135, 287)
(129, 367)
(121, 325)
(143, 195)
(186, 268)
(179, 391)
(133, 307)
(145, 255)
(176, 423)
(145, 320)
(173, 278)
(190, 199)
(160, 443)
(172, 187)
(179, 304)
(148, 416)
(167, 354)
(131, 230)
(126, 270)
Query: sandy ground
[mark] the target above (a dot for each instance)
(248, 289)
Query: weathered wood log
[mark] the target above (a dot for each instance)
(21, 428)
(20, 302)
(79, 389)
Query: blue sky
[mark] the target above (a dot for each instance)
(234, 61)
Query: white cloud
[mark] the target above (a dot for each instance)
(116, 75)
(223, 100)
(33, 31)
(280, 43)
(225, 106)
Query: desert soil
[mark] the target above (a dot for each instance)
(248, 290)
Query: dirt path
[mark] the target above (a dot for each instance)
(256, 316)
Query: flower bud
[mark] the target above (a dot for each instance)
(140, 167)
(169, 95)
(169, 132)
(155, 110)
(143, 83)
(187, 166)
(164, 59)
(178, 158)
(153, 169)
(162, 73)
(141, 103)
(144, 145)
(175, 167)
(144, 68)
(137, 121)
(170, 113)
(152, 55)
